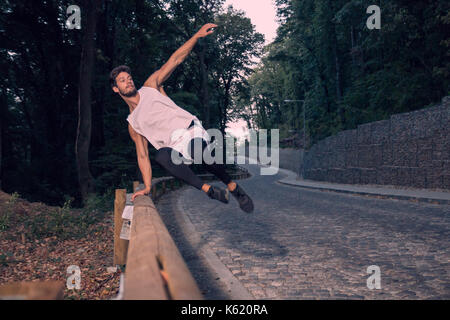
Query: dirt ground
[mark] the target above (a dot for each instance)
(31, 249)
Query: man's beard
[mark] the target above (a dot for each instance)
(130, 94)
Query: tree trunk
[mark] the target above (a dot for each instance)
(226, 103)
(205, 92)
(1, 136)
(82, 144)
(353, 46)
(338, 74)
(2, 119)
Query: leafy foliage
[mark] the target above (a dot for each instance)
(39, 94)
(347, 74)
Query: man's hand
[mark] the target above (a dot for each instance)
(205, 30)
(140, 193)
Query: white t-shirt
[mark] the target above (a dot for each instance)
(182, 143)
(157, 118)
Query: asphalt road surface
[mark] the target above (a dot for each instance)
(308, 244)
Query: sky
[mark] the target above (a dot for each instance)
(262, 13)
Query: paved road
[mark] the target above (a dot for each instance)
(309, 244)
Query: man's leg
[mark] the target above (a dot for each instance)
(245, 202)
(183, 172)
(219, 170)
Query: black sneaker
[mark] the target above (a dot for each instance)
(245, 202)
(218, 194)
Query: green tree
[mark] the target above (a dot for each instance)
(238, 43)
(39, 96)
(348, 74)
(83, 138)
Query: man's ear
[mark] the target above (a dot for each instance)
(115, 89)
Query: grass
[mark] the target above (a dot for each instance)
(37, 221)
(38, 242)
(6, 213)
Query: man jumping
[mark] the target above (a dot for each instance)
(154, 117)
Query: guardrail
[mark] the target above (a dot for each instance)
(41, 290)
(155, 268)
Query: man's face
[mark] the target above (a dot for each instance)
(125, 85)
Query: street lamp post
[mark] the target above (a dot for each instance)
(304, 120)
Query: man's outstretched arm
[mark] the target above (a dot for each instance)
(161, 75)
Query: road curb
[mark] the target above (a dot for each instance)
(291, 181)
(234, 287)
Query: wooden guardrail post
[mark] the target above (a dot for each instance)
(120, 245)
(43, 290)
(135, 185)
(153, 191)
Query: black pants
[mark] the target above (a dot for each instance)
(183, 172)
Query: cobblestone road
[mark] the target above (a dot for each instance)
(307, 244)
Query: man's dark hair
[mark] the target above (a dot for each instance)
(115, 72)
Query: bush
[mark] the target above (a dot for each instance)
(66, 222)
(7, 212)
